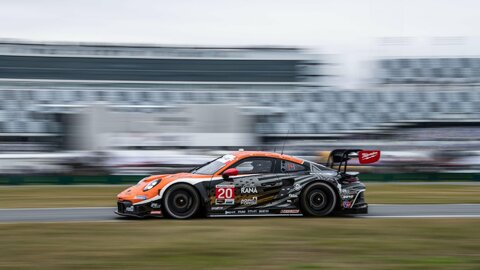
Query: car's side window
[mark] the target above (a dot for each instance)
(289, 167)
(255, 165)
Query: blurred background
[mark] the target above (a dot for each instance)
(140, 88)
(100, 93)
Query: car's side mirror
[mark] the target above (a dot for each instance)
(230, 172)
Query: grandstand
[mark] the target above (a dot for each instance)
(430, 71)
(41, 83)
(282, 88)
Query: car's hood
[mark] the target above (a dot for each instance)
(136, 193)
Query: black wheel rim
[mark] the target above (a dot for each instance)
(317, 200)
(181, 202)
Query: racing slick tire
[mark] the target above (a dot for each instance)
(318, 199)
(181, 201)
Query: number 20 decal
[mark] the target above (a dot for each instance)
(224, 194)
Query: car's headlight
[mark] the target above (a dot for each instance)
(151, 185)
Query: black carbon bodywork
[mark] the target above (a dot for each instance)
(279, 194)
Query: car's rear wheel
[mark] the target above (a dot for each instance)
(318, 199)
(181, 201)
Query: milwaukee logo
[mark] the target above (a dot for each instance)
(368, 156)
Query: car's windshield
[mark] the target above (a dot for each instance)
(214, 165)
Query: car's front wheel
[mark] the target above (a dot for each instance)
(318, 199)
(181, 201)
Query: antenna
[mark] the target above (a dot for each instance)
(284, 140)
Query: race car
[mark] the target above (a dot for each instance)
(252, 183)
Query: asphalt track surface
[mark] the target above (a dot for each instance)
(106, 213)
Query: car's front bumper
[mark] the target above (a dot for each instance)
(127, 209)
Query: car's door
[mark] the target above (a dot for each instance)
(256, 184)
(261, 187)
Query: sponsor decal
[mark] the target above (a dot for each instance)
(293, 195)
(347, 204)
(156, 212)
(217, 208)
(297, 187)
(346, 197)
(224, 202)
(251, 211)
(368, 156)
(249, 189)
(251, 201)
(141, 197)
(130, 209)
(225, 194)
(290, 166)
(289, 211)
(155, 205)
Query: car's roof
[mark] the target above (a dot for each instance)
(244, 154)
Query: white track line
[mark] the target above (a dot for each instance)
(424, 216)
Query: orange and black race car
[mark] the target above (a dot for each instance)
(249, 183)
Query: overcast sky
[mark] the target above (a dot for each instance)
(353, 30)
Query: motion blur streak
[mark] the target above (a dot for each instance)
(137, 109)
(417, 211)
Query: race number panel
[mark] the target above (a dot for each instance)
(224, 194)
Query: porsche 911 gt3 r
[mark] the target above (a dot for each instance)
(248, 183)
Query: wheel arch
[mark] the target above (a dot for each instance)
(196, 183)
(202, 195)
(201, 206)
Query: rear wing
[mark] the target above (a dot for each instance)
(340, 157)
